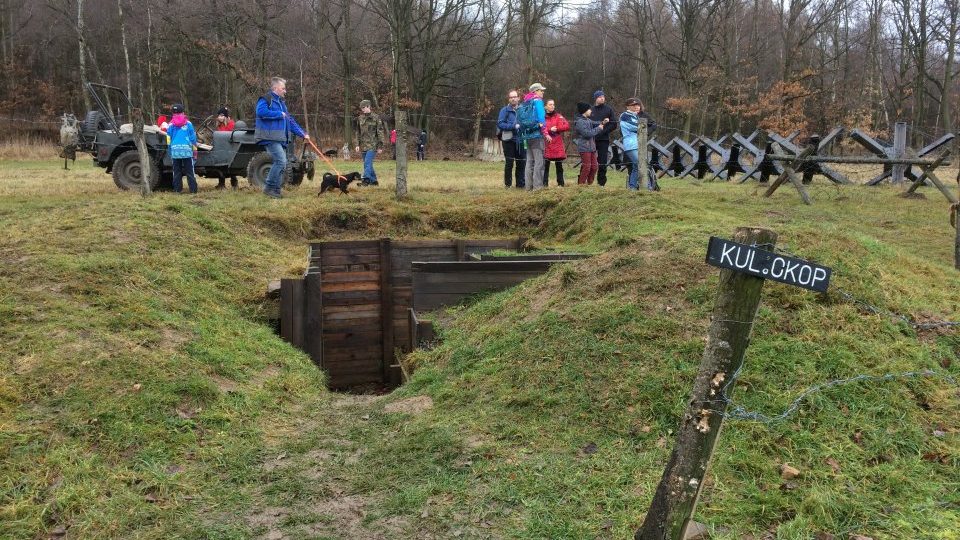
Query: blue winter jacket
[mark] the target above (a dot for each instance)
(630, 124)
(507, 120)
(272, 126)
(182, 140)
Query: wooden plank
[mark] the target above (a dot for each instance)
(352, 315)
(345, 244)
(386, 306)
(352, 286)
(353, 325)
(412, 329)
(352, 258)
(482, 266)
(349, 277)
(351, 308)
(478, 278)
(460, 249)
(313, 318)
(292, 311)
(542, 257)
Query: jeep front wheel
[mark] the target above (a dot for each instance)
(128, 174)
(259, 168)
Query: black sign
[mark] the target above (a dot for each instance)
(767, 264)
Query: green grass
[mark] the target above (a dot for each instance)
(143, 393)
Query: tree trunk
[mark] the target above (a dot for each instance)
(141, 145)
(123, 44)
(82, 48)
(479, 112)
(401, 123)
(735, 307)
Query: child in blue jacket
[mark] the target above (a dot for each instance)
(183, 144)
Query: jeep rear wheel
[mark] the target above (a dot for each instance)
(128, 174)
(259, 168)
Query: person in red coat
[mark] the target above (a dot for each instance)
(225, 123)
(555, 150)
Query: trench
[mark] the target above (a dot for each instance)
(358, 309)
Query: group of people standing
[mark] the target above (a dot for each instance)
(531, 133)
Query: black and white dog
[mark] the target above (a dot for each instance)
(331, 181)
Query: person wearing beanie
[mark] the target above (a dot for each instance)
(531, 119)
(371, 136)
(584, 130)
(183, 145)
(555, 151)
(225, 123)
(602, 111)
(273, 128)
(629, 126)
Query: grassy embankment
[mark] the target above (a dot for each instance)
(142, 393)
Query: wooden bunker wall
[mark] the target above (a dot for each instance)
(350, 311)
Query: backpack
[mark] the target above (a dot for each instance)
(527, 118)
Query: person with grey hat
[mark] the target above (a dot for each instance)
(531, 119)
(371, 136)
(600, 112)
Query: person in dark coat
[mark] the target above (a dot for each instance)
(600, 112)
(513, 154)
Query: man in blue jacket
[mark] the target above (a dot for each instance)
(512, 147)
(273, 128)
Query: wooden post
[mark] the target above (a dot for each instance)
(899, 146)
(313, 317)
(401, 154)
(386, 305)
(461, 248)
(735, 307)
(642, 154)
(291, 311)
(141, 145)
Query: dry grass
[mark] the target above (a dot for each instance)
(28, 147)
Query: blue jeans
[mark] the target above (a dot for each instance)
(368, 171)
(275, 176)
(183, 166)
(633, 179)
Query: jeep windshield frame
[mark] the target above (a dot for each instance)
(110, 99)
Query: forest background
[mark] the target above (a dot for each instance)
(701, 66)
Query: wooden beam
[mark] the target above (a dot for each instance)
(386, 307)
(927, 173)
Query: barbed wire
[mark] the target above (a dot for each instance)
(877, 310)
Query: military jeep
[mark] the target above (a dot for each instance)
(107, 134)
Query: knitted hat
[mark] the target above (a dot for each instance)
(177, 108)
(597, 94)
(365, 103)
(224, 111)
(582, 107)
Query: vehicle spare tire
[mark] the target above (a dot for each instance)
(93, 122)
(128, 174)
(259, 167)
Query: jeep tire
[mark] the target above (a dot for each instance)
(259, 167)
(127, 173)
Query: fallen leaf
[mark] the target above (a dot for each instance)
(938, 433)
(590, 448)
(824, 536)
(365, 417)
(607, 524)
(58, 532)
(150, 498)
(858, 438)
(834, 466)
(859, 537)
(788, 486)
(787, 472)
(696, 531)
(645, 429)
(137, 387)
